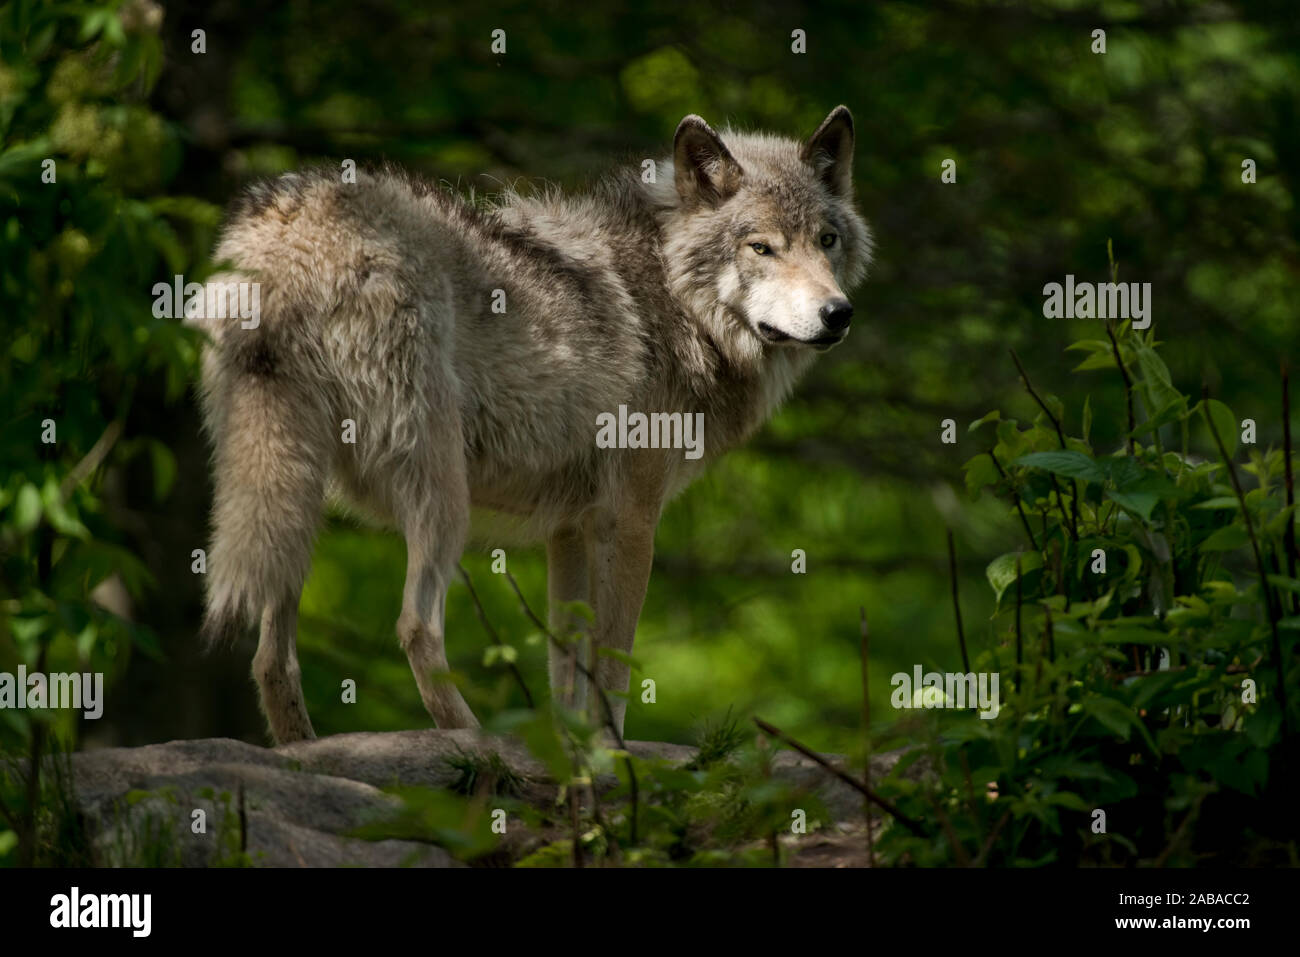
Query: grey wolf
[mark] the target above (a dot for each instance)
(474, 349)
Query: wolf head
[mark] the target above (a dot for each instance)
(761, 237)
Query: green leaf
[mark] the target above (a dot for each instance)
(1126, 473)
(1262, 728)
(1055, 406)
(1221, 501)
(1069, 800)
(1133, 635)
(1118, 718)
(1010, 441)
(980, 471)
(1113, 715)
(1281, 581)
(1072, 464)
(617, 655)
(1276, 525)
(578, 609)
(993, 416)
(62, 518)
(1155, 377)
(1098, 360)
(504, 653)
(1089, 345)
(1001, 572)
(1226, 539)
(164, 469)
(1134, 562)
(1172, 412)
(27, 509)
(545, 743)
(1225, 423)
(1139, 503)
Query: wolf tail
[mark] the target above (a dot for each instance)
(273, 449)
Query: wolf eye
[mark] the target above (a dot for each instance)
(763, 249)
(828, 239)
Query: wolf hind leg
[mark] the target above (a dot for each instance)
(273, 448)
(279, 679)
(435, 536)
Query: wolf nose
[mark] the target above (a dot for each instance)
(836, 314)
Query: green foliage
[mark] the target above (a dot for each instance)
(487, 774)
(87, 227)
(77, 263)
(1145, 142)
(1144, 662)
(50, 825)
(461, 825)
(718, 741)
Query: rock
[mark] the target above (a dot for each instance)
(303, 804)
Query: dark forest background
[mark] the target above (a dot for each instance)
(1058, 149)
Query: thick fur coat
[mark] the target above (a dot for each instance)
(472, 348)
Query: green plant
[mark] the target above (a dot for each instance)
(484, 773)
(1145, 637)
(87, 229)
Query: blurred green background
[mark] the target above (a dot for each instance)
(1057, 150)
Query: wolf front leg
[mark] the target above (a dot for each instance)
(567, 581)
(620, 553)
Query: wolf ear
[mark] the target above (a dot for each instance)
(830, 151)
(703, 169)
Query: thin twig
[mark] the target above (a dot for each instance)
(599, 818)
(1178, 834)
(1051, 637)
(959, 852)
(492, 633)
(1060, 436)
(993, 836)
(1119, 359)
(1229, 670)
(1060, 502)
(812, 755)
(1038, 660)
(1292, 559)
(40, 730)
(865, 643)
(970, 790)
(1041, 404)
(956, 605)
(633, 785)
(103, 445)
(765, 768)
(1265, 591)
(1128, 388)
(1020, 645)
(243, 820)
(537, 622)
(1019, 508)
(10, 817)
(574, 824)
